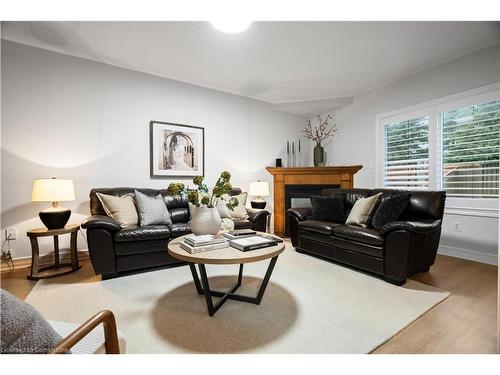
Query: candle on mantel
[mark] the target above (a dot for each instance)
(293, 148)
(287, 147)
(299, 145)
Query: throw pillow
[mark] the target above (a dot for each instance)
(362, 211)
(224, 212)
(328, 208)
(390, 209)
(152, 210)
(192, 207)
(240, 211)
(23, 329)
(122, 209)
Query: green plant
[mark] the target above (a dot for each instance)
(202, 196)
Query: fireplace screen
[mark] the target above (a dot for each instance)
(300, 202)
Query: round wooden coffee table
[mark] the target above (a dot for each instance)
(228, 255)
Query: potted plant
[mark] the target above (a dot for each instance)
(205, 217)
(318, 134)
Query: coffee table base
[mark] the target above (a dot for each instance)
(204, 287)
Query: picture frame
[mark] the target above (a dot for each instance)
(176, 150)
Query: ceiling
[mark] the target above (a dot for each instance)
(299, 67)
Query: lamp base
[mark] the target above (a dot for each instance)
(258, 204)
(55, 219)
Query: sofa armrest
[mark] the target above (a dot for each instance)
(258, 219)
(423, 226)
(101, 222)
(255, 214)
(300, 213)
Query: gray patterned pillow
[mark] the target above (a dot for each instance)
(23, 329)
(152, 210)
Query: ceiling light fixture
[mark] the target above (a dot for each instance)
(231, 26)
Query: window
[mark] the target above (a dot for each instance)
(469, 150)
(450, 144)
(406, 159)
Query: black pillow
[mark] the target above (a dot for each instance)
(328, 208)
(389, 209)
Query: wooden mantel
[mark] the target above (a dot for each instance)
(342, 175)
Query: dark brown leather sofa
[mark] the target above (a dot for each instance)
(399, 250)
(114, 251)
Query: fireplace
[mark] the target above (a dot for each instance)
(314, 178)
(298, 196)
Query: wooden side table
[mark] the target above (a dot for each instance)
(59, 268)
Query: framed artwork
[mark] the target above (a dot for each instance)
(176, 150)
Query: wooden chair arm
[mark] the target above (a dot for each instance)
(105, 317)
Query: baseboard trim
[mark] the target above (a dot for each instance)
(25, 262)
(474, 255)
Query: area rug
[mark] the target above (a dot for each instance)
(310, 306)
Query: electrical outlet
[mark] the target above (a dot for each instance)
(11, 233)
(456, 226)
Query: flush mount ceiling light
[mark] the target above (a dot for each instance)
(231, 26)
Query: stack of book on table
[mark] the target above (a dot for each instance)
(197, 244)
(246, 240)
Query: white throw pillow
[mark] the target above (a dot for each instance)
(122, 209)
(361, 213)
(224, 212)
(240, 211)
(191, 210)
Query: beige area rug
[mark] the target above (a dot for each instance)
(310, 306)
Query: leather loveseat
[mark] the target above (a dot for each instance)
(114, 250)
(400, 249)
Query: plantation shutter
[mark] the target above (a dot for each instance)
(406, 156)
(468, 150)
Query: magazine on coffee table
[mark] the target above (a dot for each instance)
(201, 249)
(252, 243)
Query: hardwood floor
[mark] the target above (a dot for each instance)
(463, 323)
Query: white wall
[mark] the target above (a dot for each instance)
(73, 118)
(354, 143)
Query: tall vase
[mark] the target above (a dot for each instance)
(319, 156)
(205, 220)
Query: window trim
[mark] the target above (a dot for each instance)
(487, 207)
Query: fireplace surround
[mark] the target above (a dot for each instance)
(342, 176)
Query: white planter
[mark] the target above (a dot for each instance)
(205, 220)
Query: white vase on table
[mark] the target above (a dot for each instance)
(205, 220)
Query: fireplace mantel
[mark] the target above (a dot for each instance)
(341, 175)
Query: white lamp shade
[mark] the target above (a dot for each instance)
(52, 190)
(259, 189)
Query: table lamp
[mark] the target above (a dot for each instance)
(53, 190)
(258, 189)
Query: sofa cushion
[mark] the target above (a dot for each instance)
(122, 209)
(318, 226)
(224, 212)
(144, 233)
(339, 243)
(390, 209)
(180, 229)
(328, 208)
(362, 211)
(152, 210)
(350, 196)
(364, 235)
(179, 215)
(240, 211)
